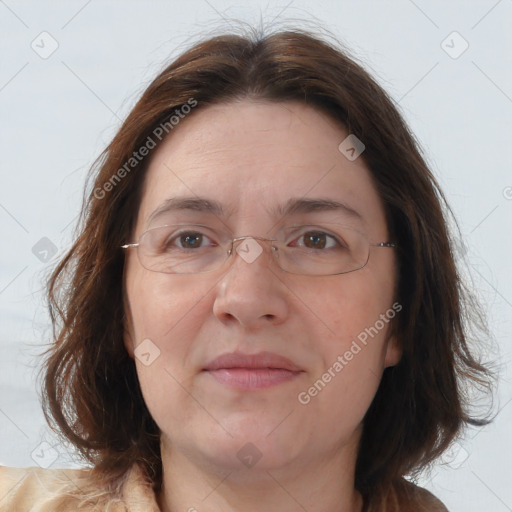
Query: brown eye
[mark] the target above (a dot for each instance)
(315, 240)
(318, 240)
(190, 240)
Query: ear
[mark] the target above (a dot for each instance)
(393, 352)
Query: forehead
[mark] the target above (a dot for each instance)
(253, 158)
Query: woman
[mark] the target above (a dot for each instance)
(262, 309)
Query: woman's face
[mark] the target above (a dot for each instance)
(253, 158)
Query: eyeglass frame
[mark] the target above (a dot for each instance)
(231, 242)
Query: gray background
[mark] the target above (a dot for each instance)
(58, 112)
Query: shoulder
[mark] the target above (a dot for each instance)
(412, 498)
(67, 490)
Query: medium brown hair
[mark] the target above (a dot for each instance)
(91, 391)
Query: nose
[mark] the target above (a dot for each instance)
(252, 292)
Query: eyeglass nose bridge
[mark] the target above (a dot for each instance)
(240, 238)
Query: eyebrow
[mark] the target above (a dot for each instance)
(293, 206)
(304, 205)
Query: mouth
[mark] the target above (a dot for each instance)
(252, 371)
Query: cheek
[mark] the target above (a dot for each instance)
(341, 388)
(339, 398)
(161, 302)
(166, 315)
(165, 312)
(164, 392)
(349, 331)
(346, 307)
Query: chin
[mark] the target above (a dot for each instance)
(245, 455)
(249, 447)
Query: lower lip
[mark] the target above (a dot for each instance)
(257, 378)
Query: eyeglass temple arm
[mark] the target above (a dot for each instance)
(384, 244)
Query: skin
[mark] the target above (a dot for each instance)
(250, 156)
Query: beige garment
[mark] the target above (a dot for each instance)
(71, 490)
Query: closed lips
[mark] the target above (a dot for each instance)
(262, 360)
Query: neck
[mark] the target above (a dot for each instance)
(323, 485)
